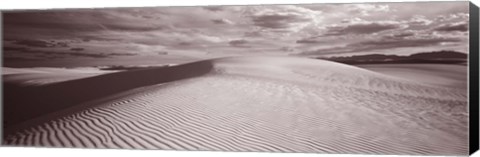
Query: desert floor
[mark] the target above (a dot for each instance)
(270, 104)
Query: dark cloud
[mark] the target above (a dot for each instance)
(64, 23)
(308, 41)
(238, 43)
(213, 8)
(287, 49)
(77, 49)
(362, 28)
(461, 26)
(120, 54)
(18, 58)
(61, 44)
(91, 55)
(162, 53)
(131, 27)
(278, 21)
(51, 20)
(404, 34)
(221, 21)
(49, 54)
(40, 43)
(8, 48)
(88, 38)
(184, 43)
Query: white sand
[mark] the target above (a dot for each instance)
(448, 75)
(274, 104)
(46, 75)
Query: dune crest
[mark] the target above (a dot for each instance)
(43, 76)
(275, 104)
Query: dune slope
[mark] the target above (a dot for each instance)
(43, 76)
(275, 104)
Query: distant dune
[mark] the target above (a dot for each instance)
(448, 75)
(274, 104)
(42, 76)
(438, 57)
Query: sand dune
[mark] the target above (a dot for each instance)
(42, 76)
(275, 104)
(448, 75)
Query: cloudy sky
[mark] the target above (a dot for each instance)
(164, 34)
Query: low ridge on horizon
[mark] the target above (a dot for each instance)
(440, 57)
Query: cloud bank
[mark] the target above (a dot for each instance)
(215, 31)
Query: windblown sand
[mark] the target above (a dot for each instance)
(449, 75)
(42, 76)
(271, 104)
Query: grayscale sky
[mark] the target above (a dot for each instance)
(148, 35)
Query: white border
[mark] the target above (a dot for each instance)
(38, 4)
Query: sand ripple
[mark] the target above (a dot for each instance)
(286, 110)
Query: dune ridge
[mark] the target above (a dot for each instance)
(274, 104)
(43, 76)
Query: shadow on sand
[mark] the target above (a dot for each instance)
(22, 103)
